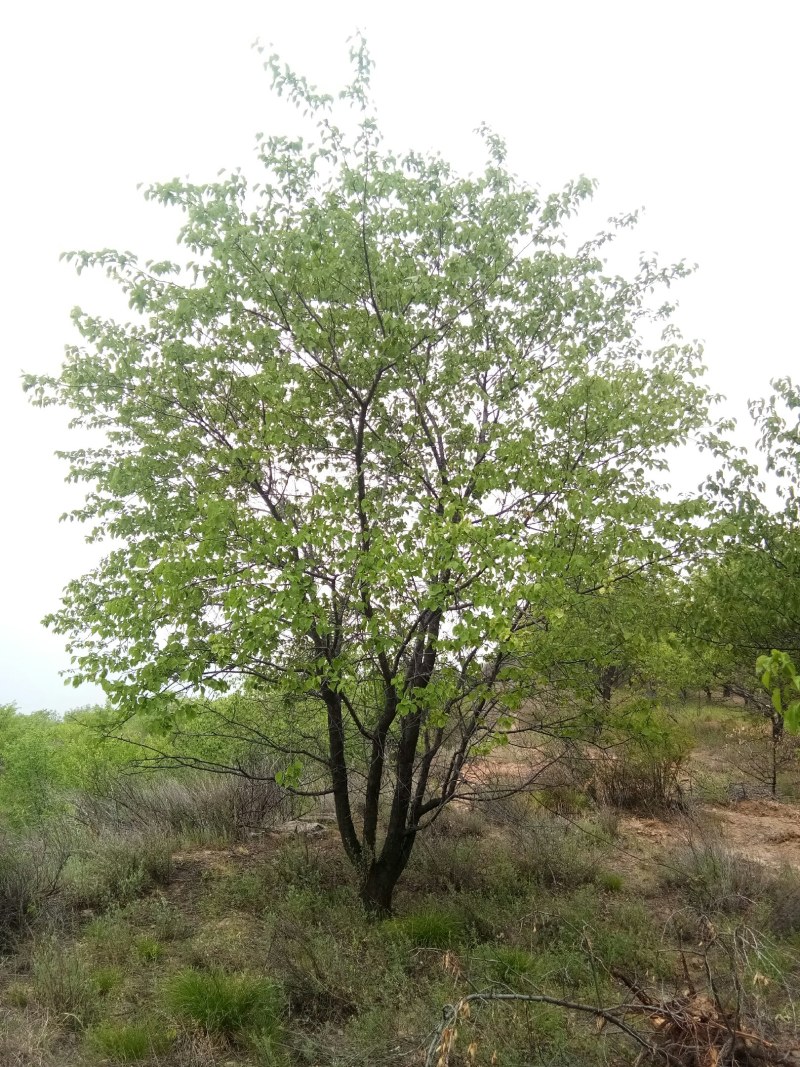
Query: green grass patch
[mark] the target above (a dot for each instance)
(107, 980)
(229, 1004)
(128, 1042)
(148, 950)
(610, 881)
(431, 928)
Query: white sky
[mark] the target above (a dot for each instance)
(690, 109)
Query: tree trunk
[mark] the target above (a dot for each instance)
(377, 889)
(608, 679)
(777, 737)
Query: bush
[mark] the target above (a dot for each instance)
(123, 1042)
(714, 879)
(30, 873)
(449, 864)
(552, 852)
(783, 894)
(116, 870)
(229, 1004)
(206, 806)
(642, 769)
(31, 785)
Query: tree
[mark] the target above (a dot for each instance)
(379, 416)
(745, 598)
(590, 646)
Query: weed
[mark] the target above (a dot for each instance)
(554, 853)
(28, 1042)
(246, 890)
(714, 879)
(783, 894)
(18, 995)
(165, 920)
(610, 881)
(109, 938)
(268, 1048)
(505, 964)
(607, 822)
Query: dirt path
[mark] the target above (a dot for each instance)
(763, 830)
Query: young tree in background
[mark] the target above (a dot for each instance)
(746, 597)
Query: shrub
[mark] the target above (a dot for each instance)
(555, 853)
(714, 879)
(642, 769)
(115, 870)
(783, 894)
(31, 785)
(30, 873)
(123, 1042)
(562, 799)
(432, 928)
(456, 824)
(230, 1004)
(444, 863)
(208, 806)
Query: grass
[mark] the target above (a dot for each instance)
(62, 984)
(222, 1003)
(128, 1042)
(431, 928)
(149, 950)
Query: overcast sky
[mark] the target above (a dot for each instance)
(690, 109)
